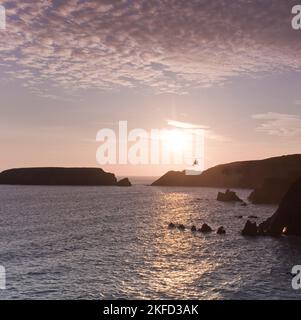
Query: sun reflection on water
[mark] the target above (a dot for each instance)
(174, 257)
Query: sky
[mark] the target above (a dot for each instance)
(71, 68)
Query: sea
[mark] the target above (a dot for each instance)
(114, 243)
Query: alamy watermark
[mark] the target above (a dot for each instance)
(2, 18)
(296, 281)
(2, 278)
(180, 146)
(296, 21)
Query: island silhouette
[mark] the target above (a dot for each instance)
(59, 176)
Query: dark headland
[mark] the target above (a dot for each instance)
(286, 220)
(270, 177)
(58, 177)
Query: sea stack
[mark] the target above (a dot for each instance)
(228, 196)
(124, 183)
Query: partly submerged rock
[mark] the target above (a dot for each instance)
(124, 183)
(228, 196)
(250, 229)
(171, 226)
(193, 228)
(221, 230)
(181, 227)
(205, 228)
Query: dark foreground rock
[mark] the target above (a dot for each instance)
(58, 176)
(124, 183)
(205, 228)
(172, 226)
(221, 230)
(287, 218)
(181, 227)
(228, 196)
(272, 190)
(250, 229)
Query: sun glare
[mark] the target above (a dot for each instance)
(176, 140)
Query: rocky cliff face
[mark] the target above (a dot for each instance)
(286, 220)
(244, 174)
(58, 176)
(272, 190)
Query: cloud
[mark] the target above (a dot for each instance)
(170, 46)
(279, 124)
(209, 134)
(185, 125)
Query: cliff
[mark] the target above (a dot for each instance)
(242, 174)
(58, 176)
(286, 220)
(272, 190)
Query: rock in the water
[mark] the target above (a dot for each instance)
(243, 204)
(228, 196)
(250, 229)
(239, 217)
(171, 226)
(262, 229)
(205, 228)
(193, 229)
(124, 183)
(221, 230)
(181, 227)
(252, 217)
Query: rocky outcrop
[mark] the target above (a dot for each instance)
(124, 183)
(272, 190)
(243, 174)
(228, 196)
(205, 228)
(221, 230)
(250, 229)
(181, 227)
(172, 226)
(287, 218)
(58, 177)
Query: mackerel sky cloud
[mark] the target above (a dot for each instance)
(279, 124)
(169, 46)
(71, 68)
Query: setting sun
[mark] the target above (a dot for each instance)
(177, 140)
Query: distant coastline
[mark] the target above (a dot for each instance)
(270, 178)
